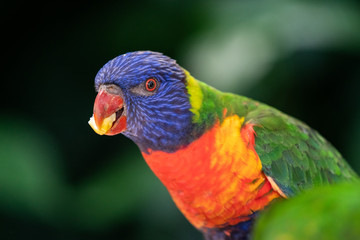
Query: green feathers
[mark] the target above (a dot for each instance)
(209, 105)
(295, 156)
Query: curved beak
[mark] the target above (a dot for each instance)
(109, 115)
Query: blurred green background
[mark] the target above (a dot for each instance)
(59, 180)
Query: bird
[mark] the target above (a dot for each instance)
(222, 157)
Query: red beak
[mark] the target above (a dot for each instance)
(109, 116)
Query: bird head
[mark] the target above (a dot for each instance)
(144, 96)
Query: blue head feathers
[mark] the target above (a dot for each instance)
(157, 120)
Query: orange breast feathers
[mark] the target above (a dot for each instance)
(216, 180)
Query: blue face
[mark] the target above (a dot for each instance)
(156, 99)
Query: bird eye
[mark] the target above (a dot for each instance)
(146, 88)
(150, 84)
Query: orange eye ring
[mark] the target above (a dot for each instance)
(150, 84)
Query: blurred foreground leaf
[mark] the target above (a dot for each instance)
(330, 212)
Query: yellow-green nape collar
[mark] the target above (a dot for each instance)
(196, 95)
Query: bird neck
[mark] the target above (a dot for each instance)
(209, 105)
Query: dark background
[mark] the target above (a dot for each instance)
(59, 180)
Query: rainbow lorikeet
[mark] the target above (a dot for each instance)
(222, 157)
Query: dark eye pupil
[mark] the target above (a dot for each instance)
(150, 84)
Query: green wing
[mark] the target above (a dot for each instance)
(292, 154)
(295, 156)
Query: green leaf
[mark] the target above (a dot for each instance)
(330, 212)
